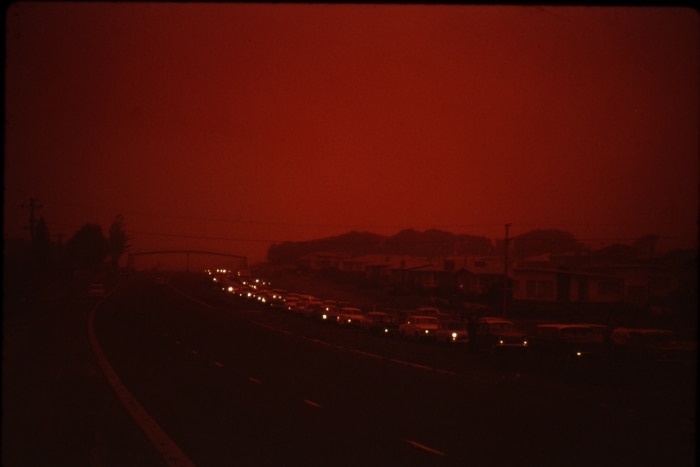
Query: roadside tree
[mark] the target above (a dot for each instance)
(118, 241)
(88, 248)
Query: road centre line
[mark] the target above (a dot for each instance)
(254, 380)
(366, 354)
(424, 447)
(312, 403)
(422, 367)
(398, 362)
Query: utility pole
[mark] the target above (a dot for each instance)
(505, 273)
(32, 218)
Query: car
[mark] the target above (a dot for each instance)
(494, 334)
(419, 327)
(276, 298)
(330, 312)
(305, 305)
(96, 290)
(651, 346)
(381, 322)
(350, 316)
(314, 308)
(452, 332)
(568, 341)
(290, 303)
(428, 311)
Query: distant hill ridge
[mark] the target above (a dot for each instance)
(438, 243)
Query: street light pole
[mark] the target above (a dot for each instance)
(505, 273)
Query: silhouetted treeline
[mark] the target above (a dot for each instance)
(31, 263)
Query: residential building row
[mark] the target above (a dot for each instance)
(566, 278)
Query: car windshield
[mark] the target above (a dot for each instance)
(502, 327)
(582, 333)
(426, 321)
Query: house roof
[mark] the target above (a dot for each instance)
(567, 272)
(490, 265)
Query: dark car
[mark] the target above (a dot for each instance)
(498, 335)
(651, 346)
(380, 322)
(568, 341)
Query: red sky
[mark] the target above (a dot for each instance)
(230, 126)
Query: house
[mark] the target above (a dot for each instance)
(477, 276)
(322, 261)
(561, 285)
(633, 283)
(411, 271)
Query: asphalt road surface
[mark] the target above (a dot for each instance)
(215, 381)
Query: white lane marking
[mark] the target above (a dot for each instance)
(312, 403)
(254, 380)
(422, 367)
(172, 453)
(194, 352)
(398, 362)
(366, 354)
(424, 447)
(262, 325)
(219, 364)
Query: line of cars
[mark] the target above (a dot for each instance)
(484, 334)
(426, 323)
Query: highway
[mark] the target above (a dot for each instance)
(229, 383)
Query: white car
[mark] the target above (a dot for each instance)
(350, 316)
(419, 327)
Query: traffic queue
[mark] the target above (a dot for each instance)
(481, 333)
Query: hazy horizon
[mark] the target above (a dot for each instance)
(230, 127)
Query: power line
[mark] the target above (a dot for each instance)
(32, 219)
(456, 225)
